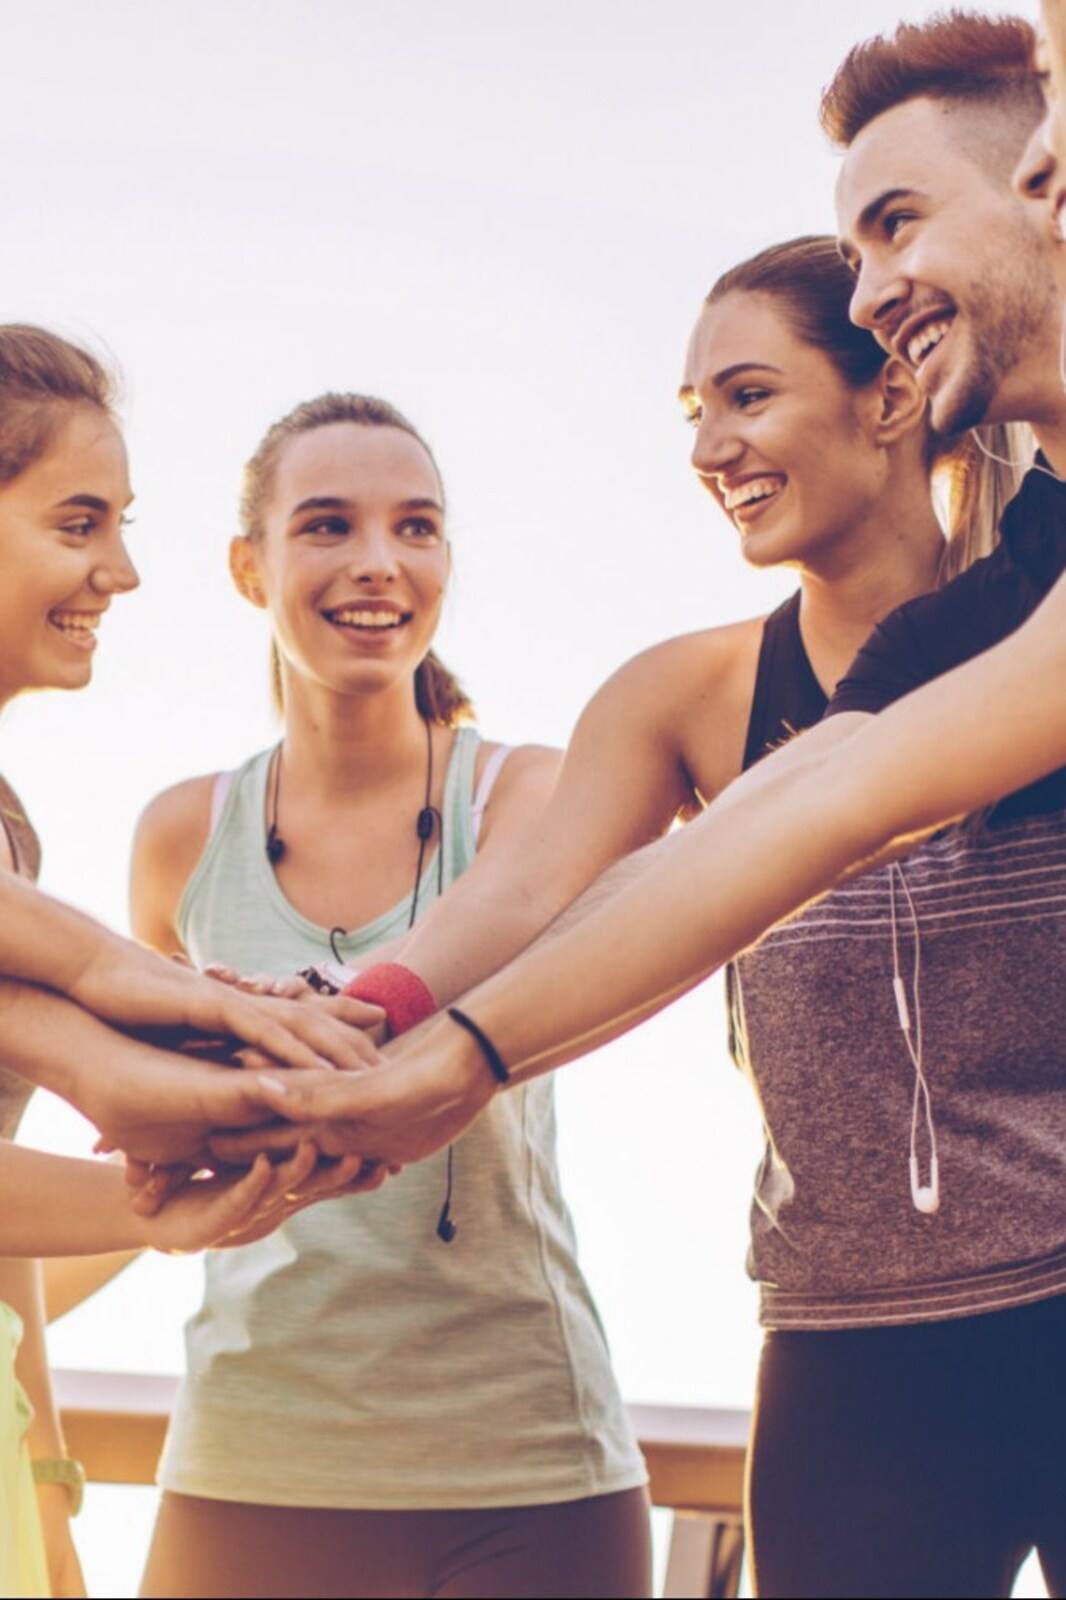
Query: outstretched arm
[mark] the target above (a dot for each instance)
(45, 942)
(621, 784)
(150, 1102)
(57, 1205)
(786, 832)
(781, 836)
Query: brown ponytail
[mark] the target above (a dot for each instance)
(439, 696)
(40, 376)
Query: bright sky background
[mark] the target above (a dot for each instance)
(501, 217)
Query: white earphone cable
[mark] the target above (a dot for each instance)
(926, 1197)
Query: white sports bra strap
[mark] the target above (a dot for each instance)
(218, 799)
(493, 768)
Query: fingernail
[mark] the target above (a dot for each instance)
(271, 1083)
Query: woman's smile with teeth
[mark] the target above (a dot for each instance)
(926, 339)
(77, 626)
(355, 617)
(755, 489)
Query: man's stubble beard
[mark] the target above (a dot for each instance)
(1006, 321)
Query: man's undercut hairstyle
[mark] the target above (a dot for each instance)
(961, 58)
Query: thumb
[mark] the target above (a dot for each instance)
(297, 1100)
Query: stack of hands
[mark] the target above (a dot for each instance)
(239, 1183)
(253, 1098)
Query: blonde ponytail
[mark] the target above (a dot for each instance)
(979, 487)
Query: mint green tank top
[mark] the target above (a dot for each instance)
(351, 1359)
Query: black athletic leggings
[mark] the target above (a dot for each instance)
(924, 1460)
(599, 1549)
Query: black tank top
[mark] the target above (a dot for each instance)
(836, 1239)
(786, 700)
(788, 697)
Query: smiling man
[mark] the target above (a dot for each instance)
(953, 268)
(954, 274)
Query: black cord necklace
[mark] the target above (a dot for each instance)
(428, 823)
(275, 844)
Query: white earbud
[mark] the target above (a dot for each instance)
(926, 1196)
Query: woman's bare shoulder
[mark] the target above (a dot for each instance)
(179, 816)
(169, 840)
(689, 670)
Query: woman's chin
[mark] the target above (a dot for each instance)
(763, 548)
(66, 675)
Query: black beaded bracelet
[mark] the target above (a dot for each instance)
(496, 1063)
(319, 981)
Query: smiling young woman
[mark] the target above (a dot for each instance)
(64, 486)
(411, 1396)
(64, 508)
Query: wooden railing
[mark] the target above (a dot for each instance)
(115, 1423)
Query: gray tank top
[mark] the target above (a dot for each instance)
(352, 1359)
(15, 1092)
(836, 1239)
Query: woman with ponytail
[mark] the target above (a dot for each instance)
(410, 1396)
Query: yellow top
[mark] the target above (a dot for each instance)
(23, 1571)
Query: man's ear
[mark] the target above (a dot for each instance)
(901, 403)
(245, 571)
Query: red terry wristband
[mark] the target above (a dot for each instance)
(400, 993)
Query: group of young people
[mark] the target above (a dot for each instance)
(408, 1391)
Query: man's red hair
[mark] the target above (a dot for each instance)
(955, 56)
